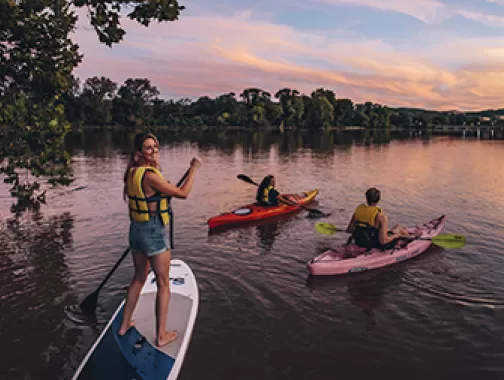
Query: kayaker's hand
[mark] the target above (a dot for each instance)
(286, 201)
(195, 163)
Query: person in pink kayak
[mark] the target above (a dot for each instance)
(369, 225)
(148, 195)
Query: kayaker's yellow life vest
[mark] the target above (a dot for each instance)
(138, 202)
(365, 216)
(365, 233)
(266, 194)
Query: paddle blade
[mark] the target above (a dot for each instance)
(88, 306)
(449, 240)
(245, 178)
(326, 228)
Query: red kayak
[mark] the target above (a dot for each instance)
(254, 212)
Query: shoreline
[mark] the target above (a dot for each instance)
(486, 132)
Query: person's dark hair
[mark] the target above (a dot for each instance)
(373, 195)
(137, 147)
(264, 184)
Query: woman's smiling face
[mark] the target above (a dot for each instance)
(150, 151)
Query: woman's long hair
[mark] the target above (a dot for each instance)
(135, 157)
(264, 185)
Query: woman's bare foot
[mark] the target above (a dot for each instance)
(166, 338)
(123, 330)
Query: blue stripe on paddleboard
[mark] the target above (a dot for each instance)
(147, 361)
(107, 362)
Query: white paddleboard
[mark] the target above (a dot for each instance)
(135, 355)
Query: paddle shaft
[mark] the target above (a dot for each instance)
(128, 249)
(442, 240)
(434, 238)
(400, 237)
(112, 271)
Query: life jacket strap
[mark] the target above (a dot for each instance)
(172, 226)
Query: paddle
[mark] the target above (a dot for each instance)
(313, 213)
(442, 240)
(88, 306)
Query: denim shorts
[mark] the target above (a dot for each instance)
(148, 237)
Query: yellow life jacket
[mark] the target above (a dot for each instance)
(138, 202)
(365, 216)
(266, 194)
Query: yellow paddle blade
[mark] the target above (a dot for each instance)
(326, 228)
(449, 240)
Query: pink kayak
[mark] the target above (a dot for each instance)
(351, 258)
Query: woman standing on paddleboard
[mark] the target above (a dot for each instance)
(148, 195)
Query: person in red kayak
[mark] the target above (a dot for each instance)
(148, 196)
(369, 225)
(268, 196)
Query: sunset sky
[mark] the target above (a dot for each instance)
(446, 54)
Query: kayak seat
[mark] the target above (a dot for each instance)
(351, 240)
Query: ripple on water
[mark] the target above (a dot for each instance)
(437, 316)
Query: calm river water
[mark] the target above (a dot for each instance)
(439, 316)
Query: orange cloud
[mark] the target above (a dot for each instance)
(212, 55)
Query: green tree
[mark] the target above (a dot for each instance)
(440, 119)
(344, 112)
(228, 105)
(36, 63)
(322, 110)
(401, 119)
(257, 101)
(37, 57)
(273, 113)
(97, 98)
(74, 108)
(361, 117)
(291, 105)
(133, 105)
(457, 119)
(254, 96)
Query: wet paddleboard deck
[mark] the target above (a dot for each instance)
(135, 355)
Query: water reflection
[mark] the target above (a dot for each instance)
(252, 143)
(266, 234)
(252, 279)
(266, 230)
(365, 290)
(34, 283)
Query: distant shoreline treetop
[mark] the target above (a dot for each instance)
(136, 105)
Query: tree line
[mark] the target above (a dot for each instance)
(101, 103)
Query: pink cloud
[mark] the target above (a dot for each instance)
(491, 20)
(212, 55)
(428, 11)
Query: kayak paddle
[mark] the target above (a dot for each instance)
(88, 306)
(326, 228)
(442, 240)
(313, 213)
